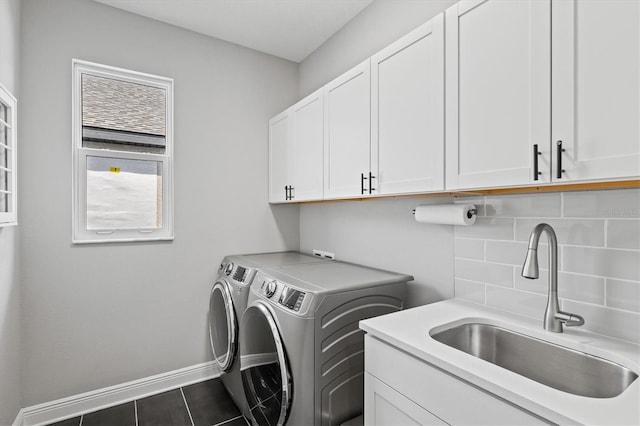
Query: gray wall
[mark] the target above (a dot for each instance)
(100, 315)
(378, 233)
(383, 233)
(10, 382)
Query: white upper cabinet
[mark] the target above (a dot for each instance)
(280, 136)
(498, 65)
(347, 103)
(407, 112)
(492, 94)
(596, 89)
(308, 129)
(295, 151)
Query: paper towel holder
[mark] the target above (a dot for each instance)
(470, 213)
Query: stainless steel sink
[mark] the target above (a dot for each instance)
(561, 368)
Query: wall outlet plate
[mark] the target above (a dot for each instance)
(324, 254)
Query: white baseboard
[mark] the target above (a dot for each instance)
(73, 406)
(19, 421)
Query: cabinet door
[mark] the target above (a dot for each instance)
(442, 394)
(596, 89)
(347, 101)
(497, 92)
(384, 406)
(307, 146)
(407, 112)
(279, 156)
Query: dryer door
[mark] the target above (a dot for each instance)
(265, 368)
(223, 325)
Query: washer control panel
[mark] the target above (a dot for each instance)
(270, 288)
(237, 273)
(280, 293)
(291, 298)
(229, 268)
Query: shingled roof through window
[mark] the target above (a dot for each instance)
(123, 106)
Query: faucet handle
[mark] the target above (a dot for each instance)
(570, 320)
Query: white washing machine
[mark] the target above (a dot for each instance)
(301, 351)
(227, 302)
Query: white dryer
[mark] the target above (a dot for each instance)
(227, 302)
(301, 351)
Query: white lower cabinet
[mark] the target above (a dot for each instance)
(386, 406)
(403, 390)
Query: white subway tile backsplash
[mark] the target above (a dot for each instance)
(524, 205)
(470, 291)
(617, 204)
(621, 264)
(519, 302)
(472, 270)
(487, 228)
(611, 322)
(498, 274)
(509, 252)
(469, 248)
(570, 286)
(624, 234)
(514, 253)
(599, 256)
(579, 232)
(583, 288)
(484, 272)
(540, 285)
(623, 295)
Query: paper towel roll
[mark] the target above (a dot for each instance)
(446, 214)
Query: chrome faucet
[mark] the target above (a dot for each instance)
(553, 316)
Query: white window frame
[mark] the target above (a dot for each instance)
(80, 234)
(10, 217)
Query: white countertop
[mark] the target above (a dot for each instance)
(409, 330)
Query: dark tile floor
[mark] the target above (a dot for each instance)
(206, 403)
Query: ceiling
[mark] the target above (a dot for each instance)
(290, 29)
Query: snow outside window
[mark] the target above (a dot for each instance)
(122, 149)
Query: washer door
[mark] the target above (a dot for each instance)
(265, 369)
(223, 325)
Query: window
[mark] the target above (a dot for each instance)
(122, 155)
(8, 161)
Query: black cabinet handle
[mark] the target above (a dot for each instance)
(536, 173)
(288, 192)
(362, 179)
(371, 178)
(559, 152)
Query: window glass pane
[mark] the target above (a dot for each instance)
(4, 180)
(4, 134)
(123, 116)
(3, 112)
(123, 194)
(4, 186)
